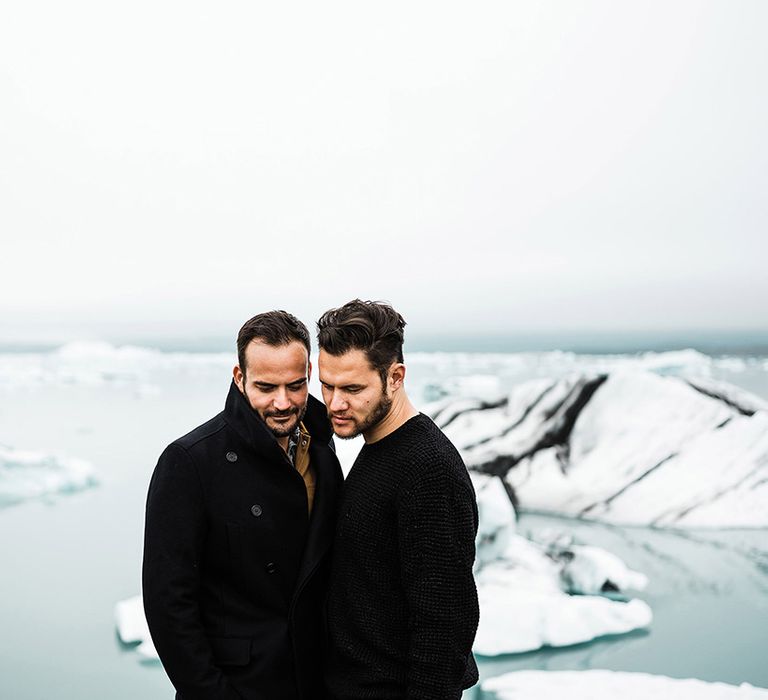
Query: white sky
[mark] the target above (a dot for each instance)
(486, 167)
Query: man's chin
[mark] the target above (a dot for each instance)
(347, 434)
(346, 431)
(284, 429)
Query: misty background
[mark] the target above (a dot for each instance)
(169, 169)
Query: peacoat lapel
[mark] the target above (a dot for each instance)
(247, 423)
(323, 521)
(328, 480)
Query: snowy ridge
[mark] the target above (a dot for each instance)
(26, 475)
(631, 447)
(745, 403)
(556, 363)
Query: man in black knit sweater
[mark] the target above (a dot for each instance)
(402, 605)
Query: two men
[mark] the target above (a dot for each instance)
(241, 513)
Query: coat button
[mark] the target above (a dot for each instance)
(231, 456)
(256, 510)
(270, 568)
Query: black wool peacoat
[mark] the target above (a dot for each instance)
(235, 570)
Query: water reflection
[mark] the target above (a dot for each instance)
(709, 594)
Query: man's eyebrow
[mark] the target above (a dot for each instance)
(300, 380)
(342, 386)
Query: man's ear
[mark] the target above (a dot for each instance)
(237, 375)
(309, 370)
(397, 375)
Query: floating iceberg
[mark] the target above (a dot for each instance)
(26, 475)
(630, 447)
(524, 605)
(592, 570)
(496, 527)
(598, 684)
(523, 586)
(132, 626)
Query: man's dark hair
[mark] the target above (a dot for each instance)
(274, 328)
(371, 326)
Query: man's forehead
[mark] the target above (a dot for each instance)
(351, 364)
(263, 358)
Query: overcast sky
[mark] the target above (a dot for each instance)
(486, 167)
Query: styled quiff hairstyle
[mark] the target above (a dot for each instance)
(371, 326)
(274, 328)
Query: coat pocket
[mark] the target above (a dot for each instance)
(231, 651)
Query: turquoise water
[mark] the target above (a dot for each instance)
(709, 594)
(68, 560)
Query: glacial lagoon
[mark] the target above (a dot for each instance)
(69, 557)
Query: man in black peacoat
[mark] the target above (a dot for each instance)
(235, 570)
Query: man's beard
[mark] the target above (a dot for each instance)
(377, 414)
(288, 428)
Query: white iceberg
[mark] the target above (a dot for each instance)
(592, 570)
(132, 626)
(524, 587)
(496, 519)
(587, 569)
(631, 448)
(523, 606)
(26, 475)
(96, 363)
(598, 684)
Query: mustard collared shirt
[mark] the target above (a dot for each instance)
(301, 464)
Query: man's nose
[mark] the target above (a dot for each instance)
(338, 402)
(281, 402)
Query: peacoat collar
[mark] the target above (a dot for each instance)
(249, 425)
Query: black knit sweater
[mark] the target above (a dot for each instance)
(402, 608)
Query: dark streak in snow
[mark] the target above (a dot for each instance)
(557, 434)
(481, 406)
(744, 410)
(628, 485)
(518, 422)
